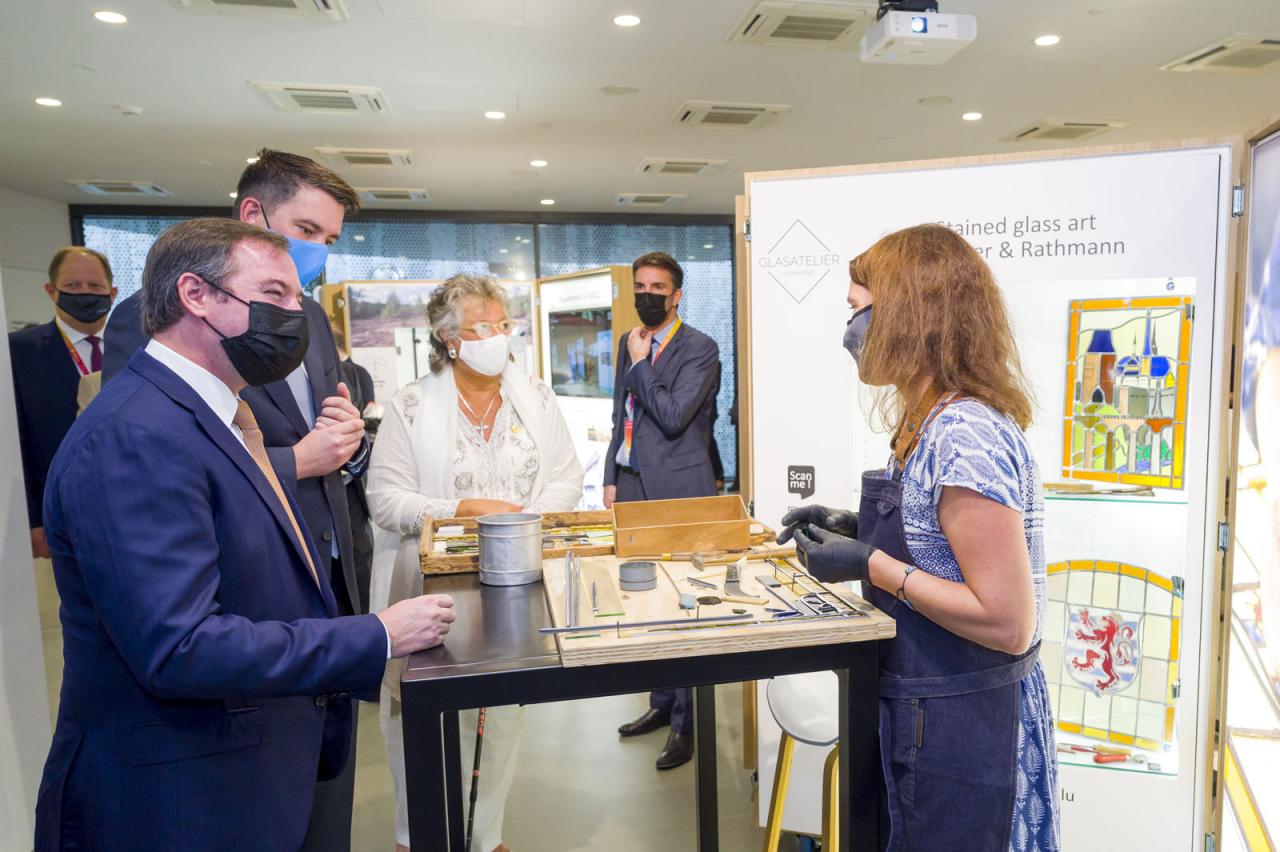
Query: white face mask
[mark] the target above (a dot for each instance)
(487, 357)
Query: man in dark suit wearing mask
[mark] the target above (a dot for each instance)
(305, 203)
(49, 361)
(663, 410)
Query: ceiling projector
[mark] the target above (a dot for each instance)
(917, 37)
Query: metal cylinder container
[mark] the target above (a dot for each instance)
(510, 548)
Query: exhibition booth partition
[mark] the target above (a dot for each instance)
(1118, 267)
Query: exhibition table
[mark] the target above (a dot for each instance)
(494, 656)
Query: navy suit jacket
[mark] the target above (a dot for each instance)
(45, 381)
(204, 667)
(323, 499)
(671, 435)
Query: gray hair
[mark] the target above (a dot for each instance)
(201, 247)
(444, 310)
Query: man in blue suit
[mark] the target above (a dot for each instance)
(663, 410)
(207, 676)
(50, 360)
(306, 203)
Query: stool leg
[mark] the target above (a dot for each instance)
(831, 802)
(778, 801)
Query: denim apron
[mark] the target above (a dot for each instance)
(948, 706)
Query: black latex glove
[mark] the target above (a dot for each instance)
(832, 557)
(839, 521)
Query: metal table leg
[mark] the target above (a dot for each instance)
(424, 779)
(704, 738)
(860, 751)
(453, 783)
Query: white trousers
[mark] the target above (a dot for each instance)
(502, 730)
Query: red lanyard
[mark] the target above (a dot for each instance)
(75, 356)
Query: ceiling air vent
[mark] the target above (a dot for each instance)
(343, 100)
(736, 116)
(1050, 130)
(649, 199)
(670, 166)
(367, 156)
(393, 194)
(307, 10)
(820, 25)
(1239, 54)
(120, 188)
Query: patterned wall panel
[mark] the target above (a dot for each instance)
(393, 251)
(706, 254)
(125, 241)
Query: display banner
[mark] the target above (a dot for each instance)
(1113, 271)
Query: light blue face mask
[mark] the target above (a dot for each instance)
(309, 258)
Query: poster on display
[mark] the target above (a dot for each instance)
(389, 333)
(1113, 268)
(576, 329)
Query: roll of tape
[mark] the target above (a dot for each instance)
(638, 576)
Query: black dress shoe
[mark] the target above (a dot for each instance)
(652, 720)
(677, 752)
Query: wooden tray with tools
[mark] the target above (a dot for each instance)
(449, 545)
(748, 616)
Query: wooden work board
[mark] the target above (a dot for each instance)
(762, 631)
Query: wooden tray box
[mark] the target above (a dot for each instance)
(692, 525)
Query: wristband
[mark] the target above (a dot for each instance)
(902, 590)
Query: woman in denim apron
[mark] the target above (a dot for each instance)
(948, 540)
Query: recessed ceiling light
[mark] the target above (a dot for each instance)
(110, 17)
(49, 102)
(708, 245)
(693, 257)
(627, 21)
(547, 202)
(1047, 40)
(620, 90)
(538, 164)
(358, 237)
(231, 194)
(972, 116)
(502, 251)
(495, 115)
(251, 160)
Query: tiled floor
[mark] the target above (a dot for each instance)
(578, 785)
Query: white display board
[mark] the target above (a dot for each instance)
(1062, 236)
(24, 702)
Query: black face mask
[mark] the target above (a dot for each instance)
(272, 347)
(652, 308)
(85, 307)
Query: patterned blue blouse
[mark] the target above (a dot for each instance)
(970, 445)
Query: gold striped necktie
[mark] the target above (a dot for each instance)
(248, 425)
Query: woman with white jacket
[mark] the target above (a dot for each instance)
(475, 436)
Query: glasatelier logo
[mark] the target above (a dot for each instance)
(798, 261)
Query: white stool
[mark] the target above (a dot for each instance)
(805, 708)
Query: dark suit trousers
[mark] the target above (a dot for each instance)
(330, 826)
(678, 702)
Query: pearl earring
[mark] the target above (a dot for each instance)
(453, 353)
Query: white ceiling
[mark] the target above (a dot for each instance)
(200, 119)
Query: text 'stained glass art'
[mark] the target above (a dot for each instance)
(1128, 367)
(1111, 652)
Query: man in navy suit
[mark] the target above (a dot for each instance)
(306, 203)
(663, 404)
(48, 362)
(207, 671)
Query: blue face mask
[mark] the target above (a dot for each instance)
(309, 258)
(855, 333)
